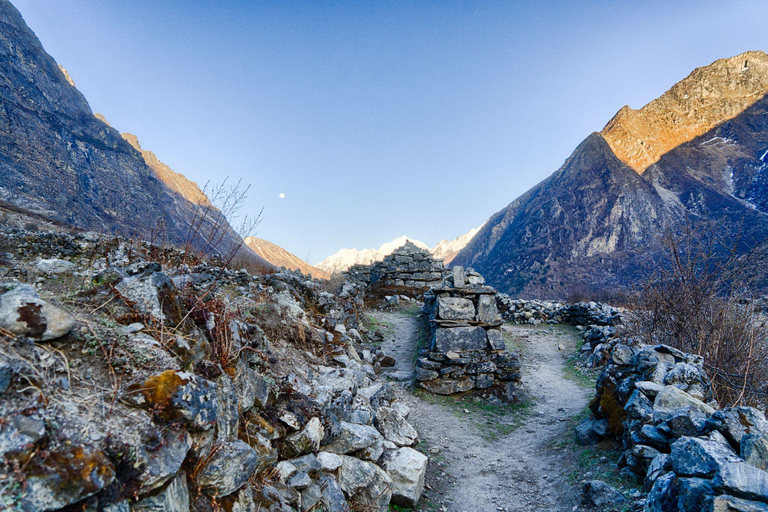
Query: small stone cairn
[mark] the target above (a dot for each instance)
(407, 266)
(467, 349)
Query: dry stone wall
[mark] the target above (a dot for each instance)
(691, 455)
(466, 349)
(407, 266)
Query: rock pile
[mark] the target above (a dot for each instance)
(536, 312)
(407, 266)
(467, 349)
(188, 388)
(690, 454)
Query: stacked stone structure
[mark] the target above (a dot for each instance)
(467, 349)
(408, 266)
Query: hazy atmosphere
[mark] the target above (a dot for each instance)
(370, 117)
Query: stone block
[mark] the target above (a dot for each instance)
(455, 308)
(460, 339)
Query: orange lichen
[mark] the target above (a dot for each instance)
(159, 389)
(76, 471)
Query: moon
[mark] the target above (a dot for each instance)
(281, 196)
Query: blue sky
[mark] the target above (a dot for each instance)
(379, 118)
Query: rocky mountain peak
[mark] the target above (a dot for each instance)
(707, 97)
(175, 181)
(66, 75)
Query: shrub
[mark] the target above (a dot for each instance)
(698, 300)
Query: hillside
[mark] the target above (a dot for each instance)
(59, 160)
(447, 250)
(279, 257)
(596, 222)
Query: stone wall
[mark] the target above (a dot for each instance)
(407, 266)
(691, 455)
(466, 349)
(535, 312)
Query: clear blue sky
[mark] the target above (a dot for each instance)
(379, 118)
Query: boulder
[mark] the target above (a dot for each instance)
(55, 266)
(332, 495)
(725, 503)
(455, 308)
(447, 386)
(306, 440)
(622, 355)
(160, 464)
(178, 395)
(602, 495)
(63, 477)
(638, 407)
(495, 338)
(487, 312)
(459, 339)
(691, 493)
(173, 498)
(742, 480)
(671, 398)
(694, 456)
(736, 422)
(658, 466)
(754, 450)
(459, 277)
(407, 468)
(394, 427)
(423, 375)
(591, 431)
(146, 292)
(252, 389)
(24, 313)
(365, 483)
(228, 467)
(352, 437)
(649, 389)
(686, 422)
(660, 498)
(240, 501)
(329, 461)
(227, 413)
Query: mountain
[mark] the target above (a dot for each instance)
(345, 258)
(447, 250)
(695, 155)
(60, 160)
(279, 257)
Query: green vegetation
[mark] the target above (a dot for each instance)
(409, 309)
(598, 462)
(491, 421)
(375, 325)
(582, 376)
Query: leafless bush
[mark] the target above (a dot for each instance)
(583, 293)
(207, 233)
(697, 300)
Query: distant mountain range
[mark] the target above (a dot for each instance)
(695, 155)
(345, 258)
(281, 258)
(59, 159)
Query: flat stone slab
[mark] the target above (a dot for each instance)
(447, 386)
(455, 308)
(460, 339)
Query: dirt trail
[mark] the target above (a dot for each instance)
(515, 472)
